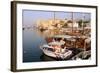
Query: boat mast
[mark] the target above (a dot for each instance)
(72, 22)
(83, 34)
(54, 17)
(83, 20)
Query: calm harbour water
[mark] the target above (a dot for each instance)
(32, 39)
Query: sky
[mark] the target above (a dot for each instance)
(30, 17)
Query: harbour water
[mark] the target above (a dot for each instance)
(32, 40)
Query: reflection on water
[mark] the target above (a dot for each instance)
(44, 57)
(32, 39)
(50, 33)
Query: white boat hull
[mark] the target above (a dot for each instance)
(54, 55)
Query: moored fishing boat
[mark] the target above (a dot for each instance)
(54, 49)
(49, 51)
